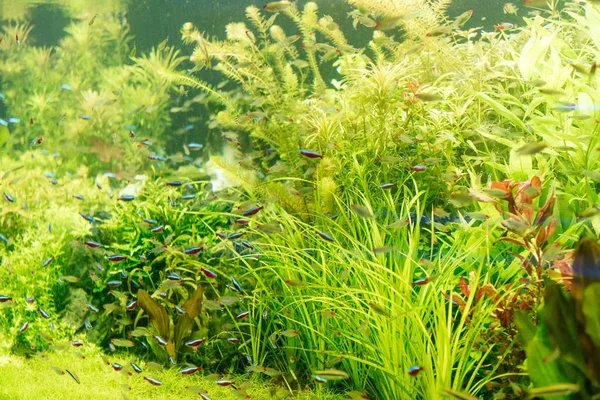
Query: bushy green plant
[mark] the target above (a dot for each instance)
(562, 350)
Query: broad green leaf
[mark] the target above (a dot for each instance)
(559, 317)
(591, 306)
(503, 111)
(159, 318)
(525, 327)
(192, 308)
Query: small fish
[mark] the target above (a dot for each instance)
(333, 374)
(179, 310)
(136, 368)
(310, 154)
(92, 308)
(463, 18)
(389, 23)
(195, 342)
(126, 198)
(276, 6)
(116, 258)
(47, 262)
(418, 168)
(189, 371)
(236, 235)
(428, 96)
(387, 186)
(208, 273)
(252, 211)
(24, 327)
(64, 86)
(236, 285)
(69, 278)
(9, 198)
(174, 276)
(160, 340)
(224, 383)
(442, 30)
(379, 310)
(325, 236)
(193, 250)
(228, 300)
(158, 229)
(504, 26)
(113, 283)
(59, 371)
(194, 146)
(153, 381)
(174, 183)
(414, 370)
(85, 117)
(247, 244)
(531, 149)
(242, 315)
(290, 333)
(424, 281)
(155, 157)
(93, 245)
(188, 197)
(361, 211)
(4, 299)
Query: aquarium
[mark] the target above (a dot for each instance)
(342, 199)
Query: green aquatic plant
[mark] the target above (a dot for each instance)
(562, 349)
(81, 97)
(385, 229)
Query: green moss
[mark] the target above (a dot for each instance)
(22, 379)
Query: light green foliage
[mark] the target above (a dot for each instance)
(49, 89)
(99, 381)
(336, 270)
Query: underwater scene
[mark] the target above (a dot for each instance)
(328, 199)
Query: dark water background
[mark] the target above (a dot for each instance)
(152, 21)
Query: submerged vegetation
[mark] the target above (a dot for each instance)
(407, 229)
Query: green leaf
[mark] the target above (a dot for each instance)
(591, 305)
(503, 111)
(184, 325)
(159, 318)
(559, 317)
(525, 327)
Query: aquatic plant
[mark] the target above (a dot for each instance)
(437, 104)
(390, 230)
(82, 95)
(562, 349)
